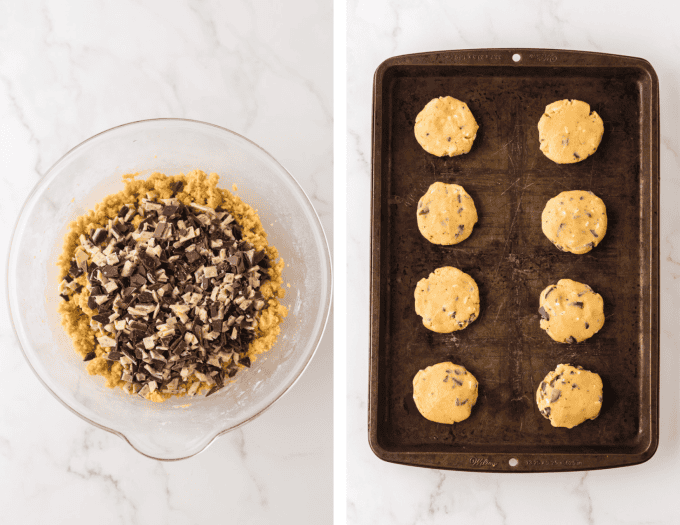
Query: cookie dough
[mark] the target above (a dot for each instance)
(568, 132)
(575, 221)
(568, 396)
(446, 214)
(446, 126)
(445, 393)
(91, 245)
(571, 311)
(447, 300)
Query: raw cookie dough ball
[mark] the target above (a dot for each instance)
(575, 221)
(446, 214)
(568, 396)
(445, 393)
(572, 312)
(446, 126)
(568, 132)
(447, 300)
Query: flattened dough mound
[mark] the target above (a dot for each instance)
(446, 126)
(571, 311)
(446, 214)
(568, 132)
(445, 393)
(575, 221)
(447, 300)
(568, 396)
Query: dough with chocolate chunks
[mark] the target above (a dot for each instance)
(571, 311)
(568, 396)
(568, 132)
(447, 300)
(445, 393)
(575, 221)
(446, 126)
(446, 214)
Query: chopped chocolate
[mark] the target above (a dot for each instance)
(176, 187)
(555, 395)
(99, 236)
(571, 340)
(90, 356)
(75, 270)
(543, 313)
(109, 271)
(138, 280)
(578, 304)
(177, 297)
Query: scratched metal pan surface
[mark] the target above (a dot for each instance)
(511, 260)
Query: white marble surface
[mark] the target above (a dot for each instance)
(380, 492)
(69, 70)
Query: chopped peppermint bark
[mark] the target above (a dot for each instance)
(176, 299)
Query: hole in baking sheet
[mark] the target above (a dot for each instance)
(517, 57)
(513, 462)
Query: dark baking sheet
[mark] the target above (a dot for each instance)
(511, 260)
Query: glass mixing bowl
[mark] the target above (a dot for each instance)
(180, 427)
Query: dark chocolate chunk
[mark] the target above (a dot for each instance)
(170, 210)
(571, 340)
(192, 256)
(555, 395)
(245, 361)
(160, 230)
(103, 319)
(99, 236)
(213, 390)
(576, 156)
(75, 270)
(109, 271)
(176, 187)
(549, 292)
(578, 304)
(587, 326)
(593, 232)
(137, 280)
(543, 313)
(123, 211)
(90, 356)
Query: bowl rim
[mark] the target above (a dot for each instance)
(326, 255)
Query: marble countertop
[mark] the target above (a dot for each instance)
(69, 70)
(380, 492)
